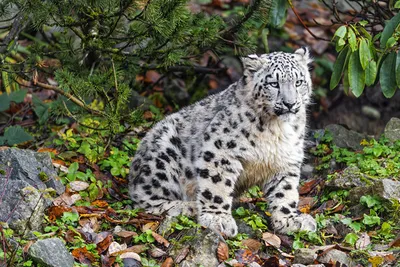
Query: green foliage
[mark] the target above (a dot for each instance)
(362, 57)
(14, 135)
(103, 46)
(6, 99)
(184, 223)
(251, 218)
(118, 162)
(379, 158)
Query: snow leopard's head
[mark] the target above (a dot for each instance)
(280, 83)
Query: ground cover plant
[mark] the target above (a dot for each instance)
(85, 80)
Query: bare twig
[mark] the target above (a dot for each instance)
(304, 25)
(62, 92)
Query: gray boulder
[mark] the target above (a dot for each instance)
(51, 252)
(392, 129)
(335, 256)
(345, 138)
(305, 256)
(27, 181)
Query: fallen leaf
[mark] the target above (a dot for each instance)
(308, 187)
(27, 246)
(376, 261)
(160, 239)
(169, 262)
(66, 199)
(157, 252)
(104, 244)
(57, 211)
(363, 241)
(150, 226)
(100, 203)
(83, 255)
(245, 256)
(46, 149)
(77, 186)
(272, 262)
(222, 252)
(131, 255)
(182, 254)
(395, 242)
(116, 247)
(252, 244)
(136, 248)
(271, 240)
(126, 234)
(107, 261)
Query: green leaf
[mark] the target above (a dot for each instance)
(338, 68)
(341, 32)
(371, 220)
(387, 75)
(278, 13)
(351, 238)
(388, 31)
(14, 135)
(398, 68)
(365, 55)
(6, 99)
(351, 36)
(41, 109)
(356, 74)
(370, 73)
(397, 5)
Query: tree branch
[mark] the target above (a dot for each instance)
(304, 25)
(60, 91)
(198, 69)
(18, 25)
(235, 28)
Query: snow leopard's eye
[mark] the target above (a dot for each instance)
(274, 84)
(299, 83)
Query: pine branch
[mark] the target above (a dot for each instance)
(234, 28)
(197, 69)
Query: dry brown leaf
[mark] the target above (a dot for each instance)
(182, 254)
(57, 211)
(136, 248)
(160, 239)
(157, 252)
(104, 244)
(126, 234)
(271, 240)
(100, 203)
(46, 149)
(272, 262)
(395, 242)
(27, 246)
(83, 255)
(252, 244)
(150, 226)
(169, 262)
(222, 251)
(245, 256)
(66, 199)
(308, 187)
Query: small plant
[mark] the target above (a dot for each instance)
(118, 162)
(251, 218)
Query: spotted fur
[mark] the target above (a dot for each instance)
(196, 160)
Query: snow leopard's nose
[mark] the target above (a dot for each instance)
(289, 105)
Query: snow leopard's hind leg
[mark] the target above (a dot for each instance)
(283, 197)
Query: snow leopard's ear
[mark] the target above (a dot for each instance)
(251, 64)
(304, 54)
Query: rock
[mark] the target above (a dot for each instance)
(27, 182)
(392, 129)
(307, 171)
(335, 256)
(371, 112)
(304, 256)
(387, 188)
(345, 138)
(51, 252)
(360, 184)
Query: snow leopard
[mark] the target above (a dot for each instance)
(194, 162)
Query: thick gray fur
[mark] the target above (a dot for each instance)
(196, 160)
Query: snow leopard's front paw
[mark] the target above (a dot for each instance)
(223, 223)
(300, 222)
